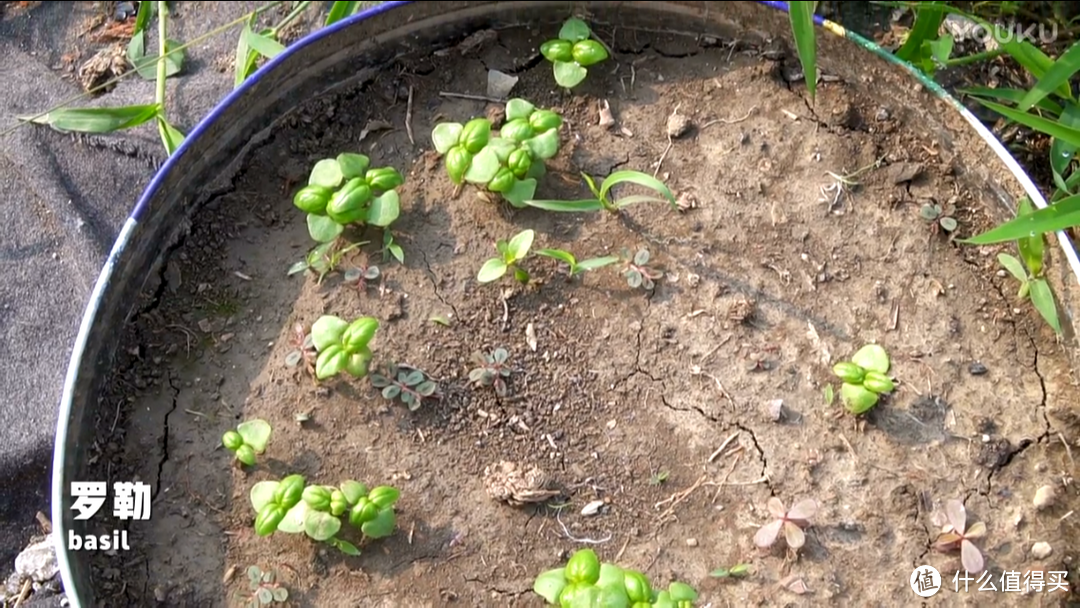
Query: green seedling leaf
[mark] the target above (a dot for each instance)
(352, 165)
(322, 229)
(492, 270)
(144, 15)
(1042, 297)
(1059, 74)
(521, 275)
(281, 594)
(641, 258)
(1063, 214)
(558, 254)
(518, 108)
(594, 263)
(639, 178)
(353, 491)
(857, 399)
(569, 75)
(1012, 96)
(384, 209)
(948, 224)
(1043, 125)
(340, 10)
(1032, 248)
(327, 330)
(801, 15)
(872, 358)
(382, 526)
(441, 320)
(550, 584)
(518, 247)
(581, 206)
(1014, 266)
(255, 433)
(574, 30)
(171, 137)
(262, 494)
(446, 135)
(545, 145)
(326, 173)
(344, 546)
(321, 526)
(928, 20)
(829, 394)
(262, 44)
(522, 190)
(96, 120)
(295, 520)
(146, 66)
(483, 168)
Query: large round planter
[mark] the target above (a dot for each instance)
(876, 490)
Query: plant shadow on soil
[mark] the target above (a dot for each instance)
(765, 285)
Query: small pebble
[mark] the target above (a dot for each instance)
(1045, 497)
(678, 125)
(1041, 550)
(592, 508)
(691, 542)
(977, 369)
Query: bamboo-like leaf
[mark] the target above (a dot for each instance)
(1014, 96)
(1042, 297)
(1040, 124)
(146, 65)
(928, 18)
(340, 10)
(801, 15)
(567, 206)
(171, 137)
(1059, 74)
(262, 43)
(638, 178)
(96, 120)
(1061, 152)
(147, 10)
(1063, 214)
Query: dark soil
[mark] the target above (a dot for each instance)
(628, 394)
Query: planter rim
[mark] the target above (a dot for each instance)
(93, 308)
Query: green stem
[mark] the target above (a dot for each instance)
(976, 58)
(299, 8)
(214, 32)
(163, 12)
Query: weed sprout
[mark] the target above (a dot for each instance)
(791, 522)
(956, 534)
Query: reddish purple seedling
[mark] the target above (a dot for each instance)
(957, 534)
(791, 522)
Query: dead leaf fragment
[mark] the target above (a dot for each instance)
(499, 84)
(373, 126)
(530, 336)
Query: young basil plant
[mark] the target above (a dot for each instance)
(573, 52)
(248, 440)
(586, 581)
(345, 190)
(511, 254)
(576, 267)
(508, 165)
(342, 346)
(865, 377)
(602, 201)
(290, 507)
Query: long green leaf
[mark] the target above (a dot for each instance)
(1012, 95)
(143, 17)
(263, 43)
(96, 120)
(146, 66)
(1059, 216)
(1059, 74)
(558, 254)
(635, 177)
(928, 18)
(581, 206)
(801, 15)
(634, 199)
(245, 58)
(1062, 152)
(171, 137)
(1042, 297)
(1040, 124)
(340, 10)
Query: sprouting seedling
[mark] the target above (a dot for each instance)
(955, 534)
(576, 267)
(391, 249)
(492, 370)
(736, 571)
(940, 219)
(602, 199)
(636, 272)
(342, 346)
(1034, 288)
(511, 254)
(573, 52)
(359, 276)
(323, 259)
(346, 190)
(265, 588)
(408, 384)
(303, 349)
(248, 440)
(791, 522)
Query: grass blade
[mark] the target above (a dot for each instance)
(801, 15)
(1040, 124)
(1025, 53)
(340, 10)
(263, 43)
(1042, 297)
(1014, 96)
(96, 120)
(1061, 152)
(557, 254)
(143, 16)
(594, 263)
(1059, 74)
(171, 137)
(634, 199)
(928, 18)
(1059, 216)
(567, 206)
(639, 178)
(245, 58)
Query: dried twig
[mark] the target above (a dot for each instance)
(471, 97)
(408, 117)
(678, 497)
(587, 541)
(730, 121)
(724, 445)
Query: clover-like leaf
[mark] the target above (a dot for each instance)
(569, 75)
(930, 212)
(326, 173)
(256, 433)
(948, 224)
(500, 356)
(446, 136)
(634, 279)
(414, 377)
(265, 595)
(322, 229)
(426, 388)
(391, 392)
(384, 209)
(379, 381)
(281, 595)
(485, 164)
(545, 145)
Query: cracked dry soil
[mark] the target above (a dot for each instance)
(623, 385)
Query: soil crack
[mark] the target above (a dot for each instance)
(165, 437)
(435, 283)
